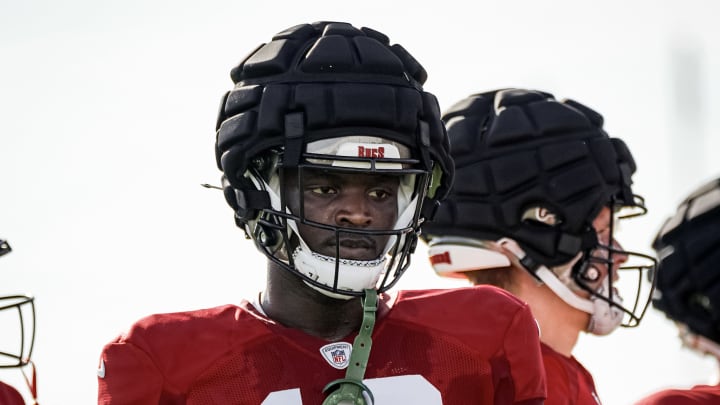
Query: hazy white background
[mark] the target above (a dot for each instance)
(107, 117)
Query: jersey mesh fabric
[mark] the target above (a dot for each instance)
(234, 355)
(568, 382)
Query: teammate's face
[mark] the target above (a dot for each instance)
(602, 258)
(603, 225)
(352, 201)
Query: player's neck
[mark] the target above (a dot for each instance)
(292, 303)
(560, 324)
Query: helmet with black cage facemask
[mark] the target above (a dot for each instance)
(329, 96)
(532, 174)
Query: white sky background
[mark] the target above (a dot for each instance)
(107, 117)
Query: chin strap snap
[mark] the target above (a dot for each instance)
(351, 390)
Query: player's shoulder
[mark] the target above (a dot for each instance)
(217, 320)
(487, 295)
(457, 306)
(678, 396)
(665, 397)
(486, 319)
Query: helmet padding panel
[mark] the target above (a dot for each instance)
(516, 149)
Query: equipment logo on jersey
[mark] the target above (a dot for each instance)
(337, 354)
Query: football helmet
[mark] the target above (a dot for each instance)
(329, 96)
(532, 174)
(688, 274)
(17, 313)
(17, 317)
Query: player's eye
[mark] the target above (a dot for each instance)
(322, 190)
(604, 236)
(379, 194)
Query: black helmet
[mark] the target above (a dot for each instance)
(537, 171)
(688, 274)
(520, 149)
(318, 82)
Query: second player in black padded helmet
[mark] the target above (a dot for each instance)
(534, 172)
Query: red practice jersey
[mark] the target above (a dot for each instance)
(10, 396)
(568, 382)
(474, 345)
(697, 395)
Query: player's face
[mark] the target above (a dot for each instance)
(344, 200)
(602, 258)
(603, 225)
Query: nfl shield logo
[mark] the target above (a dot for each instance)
(337, 354)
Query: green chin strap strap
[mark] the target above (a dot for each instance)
(351, 390)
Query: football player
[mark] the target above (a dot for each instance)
(688, 285)
(18, 337)
(332, 156)
(538, 192)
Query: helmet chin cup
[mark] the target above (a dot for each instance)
(605, 317)
(322, 272)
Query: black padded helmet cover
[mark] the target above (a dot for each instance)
(517, 149)
(318, 81)
(688, 274)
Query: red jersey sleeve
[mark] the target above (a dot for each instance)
(522, 348)
(162, 355)
(127, 375)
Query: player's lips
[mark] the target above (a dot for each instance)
(353, 247)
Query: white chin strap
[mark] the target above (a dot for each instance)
(604, 318)
(452, 256)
